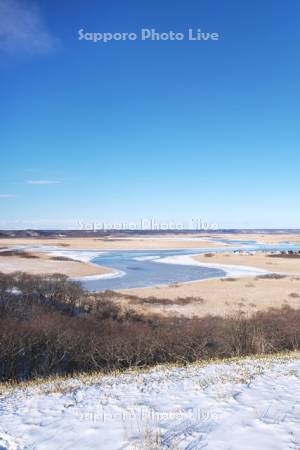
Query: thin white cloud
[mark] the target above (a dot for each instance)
(41, 224)
(42, 182)
(7, 196)
(22, 28)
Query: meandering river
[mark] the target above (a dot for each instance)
(142, 269)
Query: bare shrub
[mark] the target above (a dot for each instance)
(289, 254)
(61, 258)
(152, 300)
(270, 276)
(19, 253)
(229, 279)
(49, 325)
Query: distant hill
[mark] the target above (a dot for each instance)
(117, 233)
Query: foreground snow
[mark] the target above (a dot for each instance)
(246, 404)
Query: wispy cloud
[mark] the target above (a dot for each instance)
(42, 182)
(40, 224)
(7, 196)
(22, 28)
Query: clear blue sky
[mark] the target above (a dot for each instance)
(171, 130)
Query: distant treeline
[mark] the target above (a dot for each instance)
(132, 232)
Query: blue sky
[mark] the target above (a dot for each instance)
(135, 129)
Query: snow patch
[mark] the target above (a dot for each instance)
(230, 270)
(146, 258)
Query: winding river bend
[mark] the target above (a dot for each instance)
(142, 268)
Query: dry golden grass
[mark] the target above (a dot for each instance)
(39, 263)
(227, 296)
(258, 260)
(124, 243)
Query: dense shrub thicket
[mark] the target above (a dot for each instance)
(49, 325)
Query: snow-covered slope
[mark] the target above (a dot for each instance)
(238, 405)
